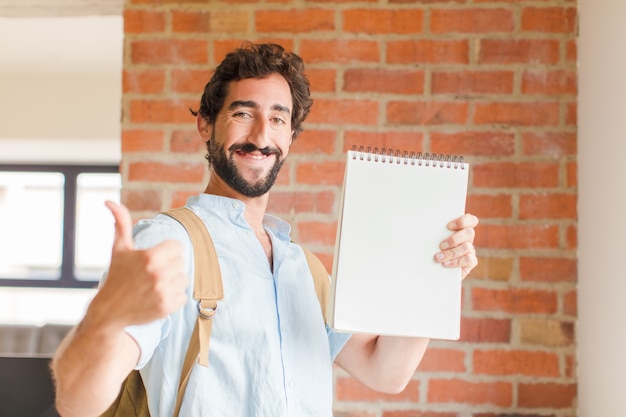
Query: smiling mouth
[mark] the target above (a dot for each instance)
(252, 155)
(250, 150)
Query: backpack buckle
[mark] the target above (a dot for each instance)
(206, 312)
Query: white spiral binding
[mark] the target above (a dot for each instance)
(412, 158)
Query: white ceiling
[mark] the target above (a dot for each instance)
(67, 36)
(40, 8)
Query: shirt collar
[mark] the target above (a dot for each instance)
(236, 208)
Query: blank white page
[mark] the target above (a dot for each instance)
(393, 216)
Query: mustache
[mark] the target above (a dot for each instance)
(250, 147)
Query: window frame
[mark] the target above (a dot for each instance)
(67, 278)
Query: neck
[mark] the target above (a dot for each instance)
(255, 207)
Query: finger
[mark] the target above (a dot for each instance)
(463, 255)
(465, 221)
(458, 238)
(123, 239)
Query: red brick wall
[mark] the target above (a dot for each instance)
(494, 80)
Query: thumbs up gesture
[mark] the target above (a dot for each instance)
(141, 285)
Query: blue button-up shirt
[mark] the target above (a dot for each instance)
(270, 352)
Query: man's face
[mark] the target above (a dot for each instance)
(252, 134)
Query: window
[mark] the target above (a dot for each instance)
(54, 228)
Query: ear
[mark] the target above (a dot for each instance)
(204, 128)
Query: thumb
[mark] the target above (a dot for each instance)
(123, 239)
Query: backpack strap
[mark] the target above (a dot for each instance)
(208, 290)
(320, 280)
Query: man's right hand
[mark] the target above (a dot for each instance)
(141, 285)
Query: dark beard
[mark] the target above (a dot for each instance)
(226, 169)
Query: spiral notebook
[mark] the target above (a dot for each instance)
(394, 211)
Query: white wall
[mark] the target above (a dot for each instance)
(602, 209)
(61, 89)
(60, 80)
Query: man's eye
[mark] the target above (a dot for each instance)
(241, 115)
(278, 120)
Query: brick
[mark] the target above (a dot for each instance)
(544, 332)
(519, 51)
(179, 197)
(383, 81)
(142, 200)
(548, 206)
(516, 362)
(322, 80)
(571, 174)
(485, 330)
(472, 82)
(428, 51)
(498, 393)
(231, 21)
(334, 111)
(142, 140)
(571, 52)
(570, 366)
(397, 140)
(546, 395)
(571, 113)
(442, 360)
(222, 47)
(549, 82)
(517, 236)
(327, 260)
(555, 144)
(349, 389)
(197, 21)
(570, 303)
(171, 51)
(467, 142)
(302, 202)
(571, 237)
(518, 114)
(186, 141)
(314, 142)
(294, 20)
(173, 172)
(489, 206)
(418, 413)
(425, 1)
(284, 176)
(148, 81)
(514, 175)
(339, 51)
(189, 81)
(353, 413)
(426, 112)
(373, 21)
(549, 19)
(493, 268)
(515, 300)
(471, 20)
(143, 21)
(161, 111)
(548, 269)
(320, 173)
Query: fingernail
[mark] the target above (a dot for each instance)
(444, 245)
(439, 256)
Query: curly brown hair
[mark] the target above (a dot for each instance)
(258, 61)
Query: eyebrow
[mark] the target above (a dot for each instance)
(253, 105)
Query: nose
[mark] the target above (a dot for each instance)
(260, 133)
